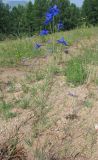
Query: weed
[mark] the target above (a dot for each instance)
(76, 72)
(96, 81)
(25, 103)
(55, 70)
(11, 86)
(88, 103)
(29, 77)
(39, 75)
(5, 110)
(90, 55)
(41, 109)
(5, 106)
(11, 151)
(10, 115)
(40, 154)
(34, 91)
(25, 88)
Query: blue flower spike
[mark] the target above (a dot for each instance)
(62, 41)
(53, 11)
(49, 18)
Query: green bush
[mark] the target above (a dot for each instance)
(76, 72)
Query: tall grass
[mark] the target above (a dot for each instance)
(76, 71)
(12, 51)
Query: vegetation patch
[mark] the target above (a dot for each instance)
(76, 72)
(11, 151)
(5, 109)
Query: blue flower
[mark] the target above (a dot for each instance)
(62, 41)
(60, 26)
(44, 32)
(37, 45)
(49, 18)
(53, 11)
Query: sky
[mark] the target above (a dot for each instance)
(77, 2)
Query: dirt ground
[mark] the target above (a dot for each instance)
(72, 115)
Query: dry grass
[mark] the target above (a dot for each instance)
(11, 150)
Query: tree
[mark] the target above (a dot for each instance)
(90, 11)
(74, 16)
(69, 14)
(17, 19)
(30, 18)
(40, 8)
(4, 18)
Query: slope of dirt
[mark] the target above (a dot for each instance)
(66, 129)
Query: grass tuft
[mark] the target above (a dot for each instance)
(76, 72)
(5, 110)
(10, 150)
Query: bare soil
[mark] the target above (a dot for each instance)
(73, 115)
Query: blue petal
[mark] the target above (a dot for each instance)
(44, 32)
(37, 45)
(53, 11)
(62, 41)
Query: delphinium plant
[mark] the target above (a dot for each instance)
(50, 20)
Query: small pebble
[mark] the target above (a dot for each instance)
(72, 94)
(96, 127)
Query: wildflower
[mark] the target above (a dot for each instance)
(60, 25)
(44, 32)
(62, 41)
(53, 11)
(37, 45)
(49, 18)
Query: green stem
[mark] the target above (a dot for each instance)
(53, 35)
